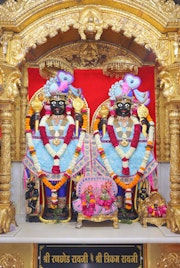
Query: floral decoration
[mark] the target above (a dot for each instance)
(56, 155)
(125, 156)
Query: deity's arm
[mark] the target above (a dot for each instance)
(145, 125)
(78, 117)
(32, 121)
(102, 122)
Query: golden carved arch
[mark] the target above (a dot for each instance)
(27, 26)
(91, 19)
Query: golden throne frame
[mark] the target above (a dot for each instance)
(100, 215)
(155, 198)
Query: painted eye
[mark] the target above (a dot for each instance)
(53, 103)
(119, 105)
(61, 103)
(127, 105)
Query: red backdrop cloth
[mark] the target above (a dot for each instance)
(95, 85)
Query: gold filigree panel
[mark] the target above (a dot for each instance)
(10, 82)
(89, 21)
(163, 255)
(167, 100)
(170, 82)
(160, 12)
(18, 255)
(86, 55)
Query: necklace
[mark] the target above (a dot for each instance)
(125, 156)
(56, 125)
(56, 155)
(123, 129)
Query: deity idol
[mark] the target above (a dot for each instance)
(124, 135)
(56, 126)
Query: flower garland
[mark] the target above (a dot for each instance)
(134, 143)
(105, 199)
(88, 202)
(124, 156)
(68, 172)
(56, 155)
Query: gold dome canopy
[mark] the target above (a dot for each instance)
(119, 65)
(48, 67)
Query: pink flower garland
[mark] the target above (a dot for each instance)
(105, 203)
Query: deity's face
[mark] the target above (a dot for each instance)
(57, 107)
(123, 108)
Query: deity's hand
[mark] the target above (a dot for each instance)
(79, 118)
(32, 121)
(102, 122)
(145, 125)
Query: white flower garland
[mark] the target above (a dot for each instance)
(48, 147)
(144, 161)
(118, 149)
(34, 155)
(124, 156)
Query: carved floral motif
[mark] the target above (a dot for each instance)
(11, 260)
(89, 21)
(172, 260)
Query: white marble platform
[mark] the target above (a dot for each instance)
(90, 233)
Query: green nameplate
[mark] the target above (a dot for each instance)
(90, 256)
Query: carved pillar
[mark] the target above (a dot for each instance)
(173, 213)
(7, 209)
(158, 136)
(166, 151)
(174, 117)
(13, 136)
(9, 92)
(162, 126)
(23, 109)
(5, 168)
(170, 79)
(170, 83)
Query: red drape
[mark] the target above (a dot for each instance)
(95, 85)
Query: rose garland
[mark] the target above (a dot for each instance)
(68, 172)
(134, 143)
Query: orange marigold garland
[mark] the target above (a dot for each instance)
(85, 120)
(27, 120)
(141, 170)
(67, 174)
